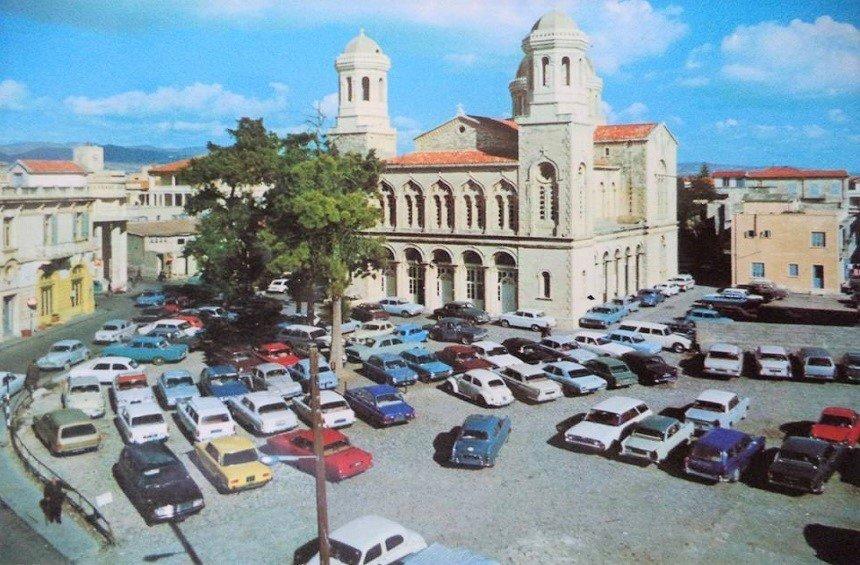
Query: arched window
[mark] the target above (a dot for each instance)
(349, 89)
(545, 285)
(544, 71)
(565, 70)
(469, 212)
(437, 202)
(500, 207)
(547, 192)
(365, 89)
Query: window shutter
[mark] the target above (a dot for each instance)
(85, 227)
(54, 230)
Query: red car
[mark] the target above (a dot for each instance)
(191, 319)
(462, 358)
(342, 460)
(839, 425)
(278, 352)
(367, 312)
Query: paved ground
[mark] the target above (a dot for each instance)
(21, 541)
(542, 503)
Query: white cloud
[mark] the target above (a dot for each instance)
(462, 60)
(727, 124)
(13, 95)
(814, 131)
(694, 58)
(635, 111)
(837, 116)
(327, 106)
(180, 126)
(695, 82)
(818, 58)
(204, 100)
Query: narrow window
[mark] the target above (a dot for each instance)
(437, 201)
(544, 70)
(545, 284)
(500, 205)
(469, 212)
(365, 89)
(349, 89)
(565, 69)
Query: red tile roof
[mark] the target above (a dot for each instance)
(795, 173)
(51, 167)
(622, 132)
(469, 157)
(734, 173)
(173, 167)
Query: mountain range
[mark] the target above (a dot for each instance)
(116, 156)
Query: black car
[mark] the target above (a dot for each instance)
(367, 312)
(804, 464)
(462, 309)
(456, 329)
(650, 368)
(683, 327)
(157, 483)
(530, 351)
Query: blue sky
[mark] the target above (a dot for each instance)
(756, 83)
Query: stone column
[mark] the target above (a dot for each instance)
(402, 270)
(491, 290)
(119, 257)
(459, 282)
(431, 297)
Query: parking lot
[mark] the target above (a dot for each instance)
(541, 503)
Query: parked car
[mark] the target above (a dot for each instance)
(262, 412)
(175, 386)
(141, 422)
(661, 333)
(838, 424)
(462, 358)
(530, 351)
(772, 361)
(684, 282)
(530, 318)
(115, 330)
(851, 366)
(175, 326)
(145, 349)
(232, 463)
(390, 369)
(634, 341)
(607, 423)
(723, 360)
(278, 286)
(381, 405)
(436, 553)
(530, 382)
(655, 437)
(816, 363)
(599, 344)
(130, 389)
(651, 369)
(401, 307)
(194, 342)
(222, 381)
(766, 289)
(301, 336)
(106, 369)
(630, 303)
(82, 392)
(480, 439)
(63, 354)
(373, 540)
(67, 431)
(336, 412)
(360, 352)
(456, 329)
(574, 378)
(205, 417)
(150, 298)
(601, 317)
(462, 309)
(216, 313)
(706, 315)
(668, 288)
(342, 460)
(326, 378)
(157, 483)
(412, 333)
(717, 409)
(367, 312)
(274, 378)
(426, 365)
(650, 297)
(11, 383)
(615, 372)
(481, 386)
(277, 352)
(804, 464)
(372, 329)
(723, 455)
(244, 359)
(495, 353)
(567, 347)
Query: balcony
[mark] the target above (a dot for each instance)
(39, 193)
(52, 252)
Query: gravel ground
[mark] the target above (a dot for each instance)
(542, 503)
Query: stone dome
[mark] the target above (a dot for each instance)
(554, 21)
(362, 44)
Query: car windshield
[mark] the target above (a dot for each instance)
(276, 372)
(497, 351)
(722, 355)
(601, 310)
(80, 389)
(335, 447)
(774, 356)
(277, 351)
(533, 377)
(129, 385)
(465, 356)
(388, 399)
(78, 430)
(603, 417)
(60, 348)
(424, 359)
(344, 553)
(707, 452)
(221, 418)
(819, 362)
(395, 364)
(788, 455)
(473, 434)
(576, 373)
(180, 381)
(602, 341)
(163, 476)
(618, 369)
(273, 407)
(147, 419)
(317, 333)
(239, 457)
(835, 421)
(648, 433)
(708, 406)
(334, 406)
(110, 327)
(369, 342)
(495, 383)
(222, 380)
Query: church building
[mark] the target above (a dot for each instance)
(551, 209)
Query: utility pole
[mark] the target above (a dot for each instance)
(319, 463)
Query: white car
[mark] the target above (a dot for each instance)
(495, 353)
(668, 288)
(684, 281)
(205, 417)
(336, 412)
(106, 368)
(772, 361)
(482, 386)
(717, 409)
(130, 389)
(115, 330)
(10, 383)
(275, 378)
(661, 333)
(607, 422)
(569, 347)
(84, 393)
(262, 412)
(372, 540)
(598, 343)
(530, 382)
(401, 307)
(655, 437)
(373, 328)
(174, 325)
(530, 318)
(279, 286)
(724, 360)
(140, 423)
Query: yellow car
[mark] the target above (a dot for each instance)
(232, 463)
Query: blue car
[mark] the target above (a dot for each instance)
(147, 349)
(412, 333)
(381, 405)
(650, 297)
(601, 317)
(222, 381)
(63, 354)
(150, 298)
(301, 372)
(635, 341)
(428, 367)
(175, 386)
(389, 368)
(480, 439)
(723, 454)
(706, 315)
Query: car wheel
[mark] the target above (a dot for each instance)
(535, 328)
(464, 340)
(158, 361)
(735, 476)
(404, 314)
(678, 347)
(817, 488)
(505, 323)
(484, 402)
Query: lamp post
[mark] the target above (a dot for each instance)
(319, 463)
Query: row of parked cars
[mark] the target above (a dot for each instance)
(726, 360)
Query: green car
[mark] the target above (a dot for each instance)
(614, 371)
(145, 349)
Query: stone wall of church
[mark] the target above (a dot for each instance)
(463, 135)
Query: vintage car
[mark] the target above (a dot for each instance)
(772, 361)
(301, 336)
(766, 289)
(63, 354)
(106, 369)
(115, 330)
(683, 281)
(603, 316)
(717, 409)
(652, 369)
(661, 333)
(650, 297)
(194, 342)
(462, 309)
(668, 288)
(141, 422)
(145, 349)
(634, 341)
(574, 378)
(191, 319)
(222, 381)
(655, 437)
(804, 464)
(10, 383)
(326, 378)
(175, 326)
(630, 302)
(373, 540)
(381, 405)
(495, 354)
(401, 307)
(412, 333)
(615, 372)
(216, 313)
(232, 463)
(428, 367)
(480, 439)
(851, 366)
(816, 364)
(456, 329)
(242, 358)
(83, 393)
(607, 423)
(278, 286)
(723, 360)
(274, 378)
(336, 412)
(462, 358)
(262, 412)
(723, 455)
(205, 417)
(372, 329)
(706, 315)
(277, 352)
(530, 382)
(157, 483)
(67, 431)
(530, 351)
(361, 351)
(150, 298)
(367, 312)
(530, 318)
(131, 388)
(838, 425)
(598, 343)
(390, 369)
(342, 460)
(481, 386)
(175, 386)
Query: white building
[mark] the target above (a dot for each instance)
(155, 194)
(158, 248)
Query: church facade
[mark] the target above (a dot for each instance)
(550, 209)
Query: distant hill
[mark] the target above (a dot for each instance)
(116, 156)
(692, 167)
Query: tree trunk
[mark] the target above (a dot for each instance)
(336, 353)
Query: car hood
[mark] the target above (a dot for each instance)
(830, 433)
(600, 432)
(228, 389)
(53, 358)
(106, 333)
(589, 381)
(133, 396)
(401, 373)
(505, 360)
(642, 443)
(328, 378)
(471, 445)
(435, 367)
(468, 330)
(282, 384)
(616, 348)
(702, 415)
(181, 391)
(721, 364)
(774, 364)
(793, 468)
(174, 492)
(85, 400)
(470, 364)
(401, 409)
(347, 457)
